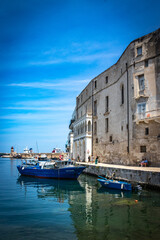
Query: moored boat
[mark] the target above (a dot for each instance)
(113, 184)
(57, 169)
(42, 157)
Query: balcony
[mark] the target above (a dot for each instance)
(147, 116)
(141, 115)
(83, 127)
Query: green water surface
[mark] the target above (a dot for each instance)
(38, 209)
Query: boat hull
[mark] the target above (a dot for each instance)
(115, 184)
(63, 173)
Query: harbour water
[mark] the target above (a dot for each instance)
(40, 209)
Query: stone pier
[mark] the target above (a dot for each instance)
(148, 176)
(30, 155)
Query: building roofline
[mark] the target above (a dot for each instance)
(144, 36)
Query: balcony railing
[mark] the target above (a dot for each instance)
(148, 115)
(141, 115)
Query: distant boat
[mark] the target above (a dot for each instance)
(42, 157)
(113, 184)
(57, 169)
(56, 150)
(27, 151)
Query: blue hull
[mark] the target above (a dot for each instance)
(115, 184)
(63, 173)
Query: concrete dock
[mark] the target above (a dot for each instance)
(148, 176)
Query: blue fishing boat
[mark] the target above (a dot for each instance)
(57, 169)
(113, 184)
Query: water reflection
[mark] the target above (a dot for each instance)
(60, 189)
(99, 213)
(115, 192)
(110, 214)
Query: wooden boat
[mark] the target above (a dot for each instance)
(113, 184)
(57, 169)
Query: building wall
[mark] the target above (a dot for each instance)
(137, 75)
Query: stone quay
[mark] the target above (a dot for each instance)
(145, 176)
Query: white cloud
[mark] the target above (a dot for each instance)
(50, 116)
(77, 58)
(80, 47)
(78, 52)
(46, 102)
(47, 130)
(65, 84)
(58, 108)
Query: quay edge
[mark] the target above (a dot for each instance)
(149, 177)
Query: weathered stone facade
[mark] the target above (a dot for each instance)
(121, 108)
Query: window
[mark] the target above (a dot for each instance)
(141, 82)
(139, 51)
(95, 128)
(122, 94)
(81, 128)
(141, 110)
(95, 108)
(106, 79)
(95, 84)
(89, 126)
(142, 149)
(96, 140)
(134, 64)
(146, 131)
(81, 98)
(107, 125)
(146, 63)
(107, 104)
(110, 138)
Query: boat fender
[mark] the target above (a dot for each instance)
(122, 186)
(22, 168)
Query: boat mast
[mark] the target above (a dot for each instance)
(37, 146)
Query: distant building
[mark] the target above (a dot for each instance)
(117, 115)
(12, 150)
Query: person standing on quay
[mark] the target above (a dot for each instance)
(96, 161)
(92, 158)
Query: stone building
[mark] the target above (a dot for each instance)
(117, 115)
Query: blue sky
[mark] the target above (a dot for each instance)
(50, 50)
